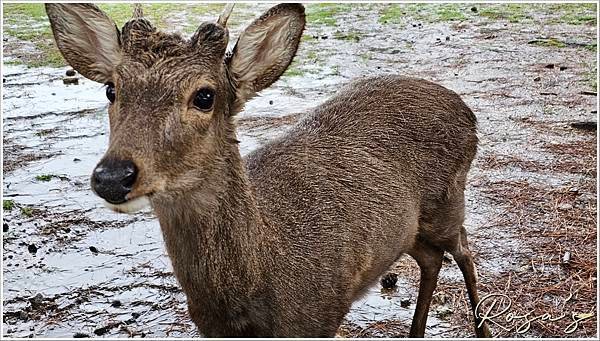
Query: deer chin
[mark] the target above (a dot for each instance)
(130, 206)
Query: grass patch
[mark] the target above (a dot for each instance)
(574, 14)
(293, 72)
(28, 22)
(580, 20)
(208, 8)
(44, 177)
(13, 62)
(391, 14)
(451, 14)
(324, 14)
(335, 71)
(550, 42)
(312, 57)
(120, 13)
(365, 57)
(397, 13)
(8, 205)
(307, 37)
(592, 79)
(156, 13)
(27, 211)
(200, 10)
(13, 13)
(350, 36)
(513, 13)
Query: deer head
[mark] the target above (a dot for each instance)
(171, 100)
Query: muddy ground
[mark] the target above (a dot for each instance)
(73, 268)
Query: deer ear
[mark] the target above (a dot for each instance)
(265, 49)
(87, 38)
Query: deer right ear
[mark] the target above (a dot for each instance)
(87, 38)
(265, 49)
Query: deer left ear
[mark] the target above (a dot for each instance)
(87, 38)
(265, 49)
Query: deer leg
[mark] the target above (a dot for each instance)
(429, 259)
(462, 256)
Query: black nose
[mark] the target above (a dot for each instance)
(113, 179)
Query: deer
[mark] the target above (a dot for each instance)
(281, 242)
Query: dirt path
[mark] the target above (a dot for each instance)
(71, 267)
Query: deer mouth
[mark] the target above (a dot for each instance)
(131, 205)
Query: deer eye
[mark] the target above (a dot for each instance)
(204, 99)
(110, 92)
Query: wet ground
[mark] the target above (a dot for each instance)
(73, 268)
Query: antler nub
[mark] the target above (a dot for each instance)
(137, 11)
(225, 15)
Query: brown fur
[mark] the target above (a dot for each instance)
(282, 243)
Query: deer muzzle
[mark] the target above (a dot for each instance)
(113, 179)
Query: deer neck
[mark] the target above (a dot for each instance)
(215, 235)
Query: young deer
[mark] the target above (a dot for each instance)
(280, 243)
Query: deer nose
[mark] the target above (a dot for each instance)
(113, 179)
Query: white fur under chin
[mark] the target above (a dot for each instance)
(130, 206)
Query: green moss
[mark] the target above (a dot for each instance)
(208, 8)
(27, 211)
(293, 71)
(450, 14)
(44, 177)
(13, 62)
(572, 7)
(13, 13)
(549, 110)
(323, 19)
(491, 13)
(157, 13)
(205, 10)
(391, 14)
(513, 13)
(351, 36)
(8, 205)
(574, 14)
(397, 13)
(335, 71)
(307, 37)
(365, 57)
(324, 14)
(579, 19)
(550, 42)
(50, 55)
(591, 47)
(592, 78)
(119, 13)
(28, 22)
